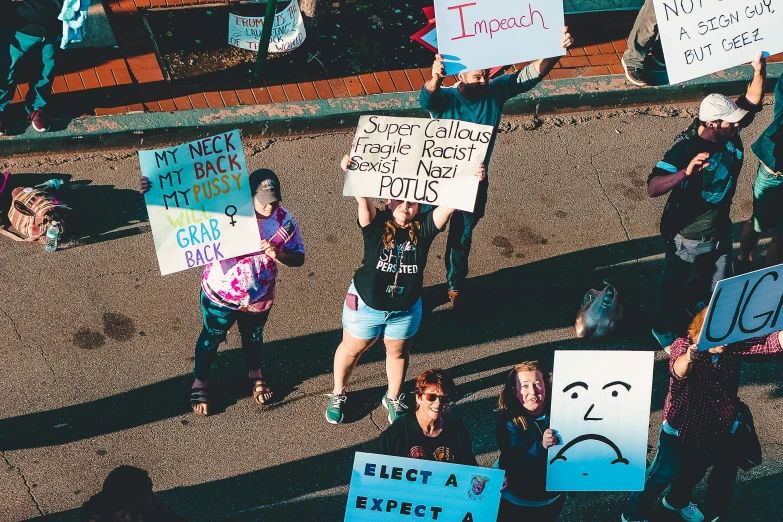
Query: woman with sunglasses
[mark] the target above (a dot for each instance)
(429, 434)
(524, 436)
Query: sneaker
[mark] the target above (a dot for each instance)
(657, 55)
(665, 339)
(40, 121)
(395, 406)
(690, 512)
(622, 517)
(741, 266)
(334, 410)
(635, 75)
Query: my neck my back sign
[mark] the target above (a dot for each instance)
(430, 162)
(391, 489)
(200, 206)
(705, 36)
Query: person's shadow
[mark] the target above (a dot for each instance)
(99, 212)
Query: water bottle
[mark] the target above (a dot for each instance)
(52, 235)
(51, 184)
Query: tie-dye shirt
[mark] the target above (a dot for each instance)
(250, 279)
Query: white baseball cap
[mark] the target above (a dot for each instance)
(720, 107)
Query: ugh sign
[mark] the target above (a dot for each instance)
(490, 27)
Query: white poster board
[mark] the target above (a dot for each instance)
(744, 306)
(200, 207)
(288, 31)
(429, 161)
(601, 411)
(705, 36)
(385, 489)
(482, 34)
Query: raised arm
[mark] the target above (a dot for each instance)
(438, 74)
(441, 215)
(755, 91)
(544, 65)
(663, 183)
(367, 208)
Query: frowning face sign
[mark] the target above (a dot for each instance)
(600, 410)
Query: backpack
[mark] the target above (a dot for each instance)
(31, 213)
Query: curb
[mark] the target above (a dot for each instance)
(149, 130)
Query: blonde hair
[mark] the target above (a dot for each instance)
(391, 231)
(508, 402)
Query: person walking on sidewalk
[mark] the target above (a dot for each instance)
(384, 298)
(242, 290)
(29, 26)
(476, 99)
(767, 192)
(642, 41)
(701, 427)
(700, 170)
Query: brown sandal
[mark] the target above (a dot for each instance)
(259, 388)
(198, 396)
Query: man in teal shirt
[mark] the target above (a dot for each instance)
(476, 99)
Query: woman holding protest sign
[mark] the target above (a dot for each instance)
(384, 298)
(429, 434)
(242, 290)
(524, 436)
(705, 425)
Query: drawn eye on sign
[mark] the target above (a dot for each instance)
(600, 410)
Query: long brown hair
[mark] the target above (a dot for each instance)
(508, 402)
(694, 330)
(391, 231)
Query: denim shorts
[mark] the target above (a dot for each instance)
(368, 323)
(767, 200)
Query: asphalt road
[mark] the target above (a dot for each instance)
(97, 347)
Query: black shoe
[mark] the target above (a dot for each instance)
(635, 75)
(741, 266)
(657, 55)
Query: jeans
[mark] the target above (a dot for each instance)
(218, 320)
(706, 259)
(14, 45)
(642, 37)
(684, 468)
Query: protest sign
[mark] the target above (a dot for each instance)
(601, 411)
(482, 34)
(432, 162)
(200, 206)
(744, 306)
(288, 31)
(705, 36)
(387, 488)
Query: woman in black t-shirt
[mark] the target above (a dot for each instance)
(429, 434)
(384, 298)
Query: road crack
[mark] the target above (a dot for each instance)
(18, 471)
(372, 419)
(19, 336)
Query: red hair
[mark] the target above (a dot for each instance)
(436, 378)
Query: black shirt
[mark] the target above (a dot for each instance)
(405, 438)
(33, 17)
(404, 261)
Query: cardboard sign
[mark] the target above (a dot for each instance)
(200, 206)
(744, 306)
(482, 34)
(705, 36)
(431, 162)
(601, 411)
(387, 489)
(288, 31)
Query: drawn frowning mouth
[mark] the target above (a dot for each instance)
(591, 436)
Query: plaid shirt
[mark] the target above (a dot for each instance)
(702, 404)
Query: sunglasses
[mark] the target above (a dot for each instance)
(430, 397)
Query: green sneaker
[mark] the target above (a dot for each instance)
(395, 406)
(334, 410)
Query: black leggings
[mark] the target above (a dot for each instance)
(513, 513)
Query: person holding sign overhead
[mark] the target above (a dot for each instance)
(700, 172)
(705, 425)
(476, 99)
(429, 434)
(384, 298)
(242, 290)
(524, 436)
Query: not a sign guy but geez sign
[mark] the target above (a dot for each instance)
(428, 161)
(481, 34)
(744, 306)
(288, 31)
(387, 488)
(705, 36)
(200, 206)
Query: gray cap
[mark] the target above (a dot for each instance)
(720, 107)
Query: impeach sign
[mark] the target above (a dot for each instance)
(200, 206)
(744, 306)
(482, 34)
(288, 30)
(387, 488)
(705, 36)
(431, 162)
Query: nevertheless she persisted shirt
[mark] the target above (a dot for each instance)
(404, 260)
